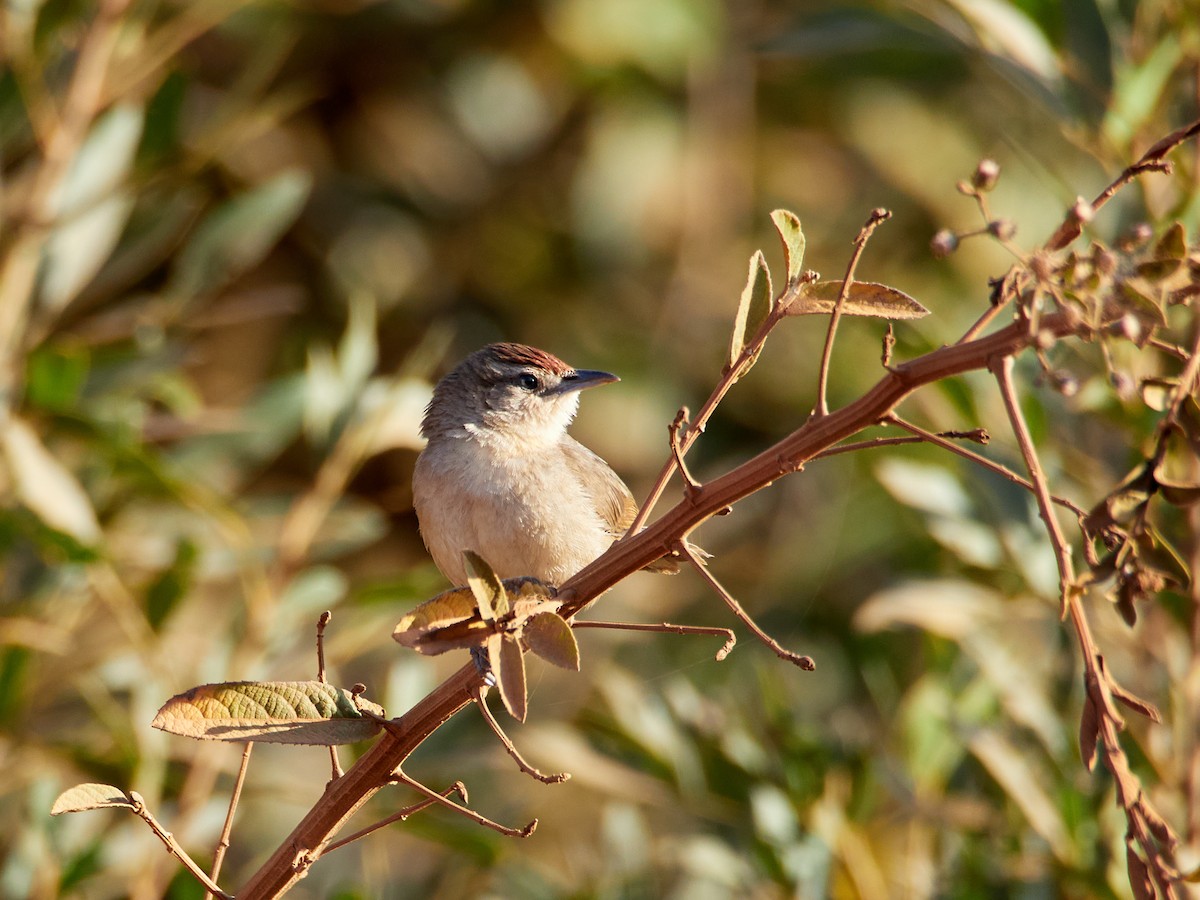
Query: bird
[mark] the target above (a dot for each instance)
(500, 475)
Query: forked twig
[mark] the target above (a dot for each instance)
(804, 662)
(399, 776)
(877, 218)
(667, 628)
(400, 816)
(480, 699)
(173, 846)
(691, 486)
(939, 440)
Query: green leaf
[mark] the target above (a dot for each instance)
(753, 308)
(91, 205)
(788, 225)
(866, 298)
(238, 234)
(485, 585)
(91, 795)
(549, 636)
(273, 712)
(508, 665)
(55, 376)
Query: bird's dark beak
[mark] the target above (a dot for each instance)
(580, 379)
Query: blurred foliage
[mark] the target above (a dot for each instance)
(238, 247)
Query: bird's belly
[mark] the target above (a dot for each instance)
(547, 531)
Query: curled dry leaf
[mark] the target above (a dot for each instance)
(508, 664)
(91, 795)
(273, 712)
(753, 308)
(1139, 874)
(449, 621)
(866, 298)
(549, 636)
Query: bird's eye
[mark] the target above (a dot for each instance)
(527, 381)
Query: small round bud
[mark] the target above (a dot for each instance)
(1136, 236)
(1064, 382)
(1082, 211)
(1002, 229)
(1131, 327)
(944, 243)
(1041, 266)
(1123, 384)
(986, 174)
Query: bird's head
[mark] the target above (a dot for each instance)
(508, 393)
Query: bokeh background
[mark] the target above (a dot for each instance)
(241, 245)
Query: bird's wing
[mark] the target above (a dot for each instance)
(612, 499)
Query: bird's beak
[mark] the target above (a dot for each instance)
(580, 379)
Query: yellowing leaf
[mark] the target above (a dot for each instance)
(866, 298)
(754, 306)
(92, 795)
(485, 585)
(549, 636)
(278, 712)
(788, 225)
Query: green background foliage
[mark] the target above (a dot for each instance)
(277, 223)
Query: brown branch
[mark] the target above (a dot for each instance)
(173, 846)
(877, 218)
(1107, 720)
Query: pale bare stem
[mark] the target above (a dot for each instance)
(1096, 679)
(481, 701)
(939, 440)
(322, 623)
(173, 846)
(889, 344)
(400, 777)
(804, 662)
(690, 485)
(1002, 370)
(667, 628)
(227, 828)
(877, 218)
(401, 816)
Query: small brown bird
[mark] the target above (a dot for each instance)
(501, 476)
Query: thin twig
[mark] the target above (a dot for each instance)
(227, 828)
(939, 440)
(481, 702)
(322, 622)
(877, 218)
(402, 815)
(666, 628)
(173, 846)
(680, 424)
(400, 777)
(804, 662)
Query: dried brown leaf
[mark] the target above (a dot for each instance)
(549, 636)
(91, 795)
(420, 629)
(792, 235)
(508, 665)
(866, 298)
(753, 308)
(1139, 874)
(1089, 732)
